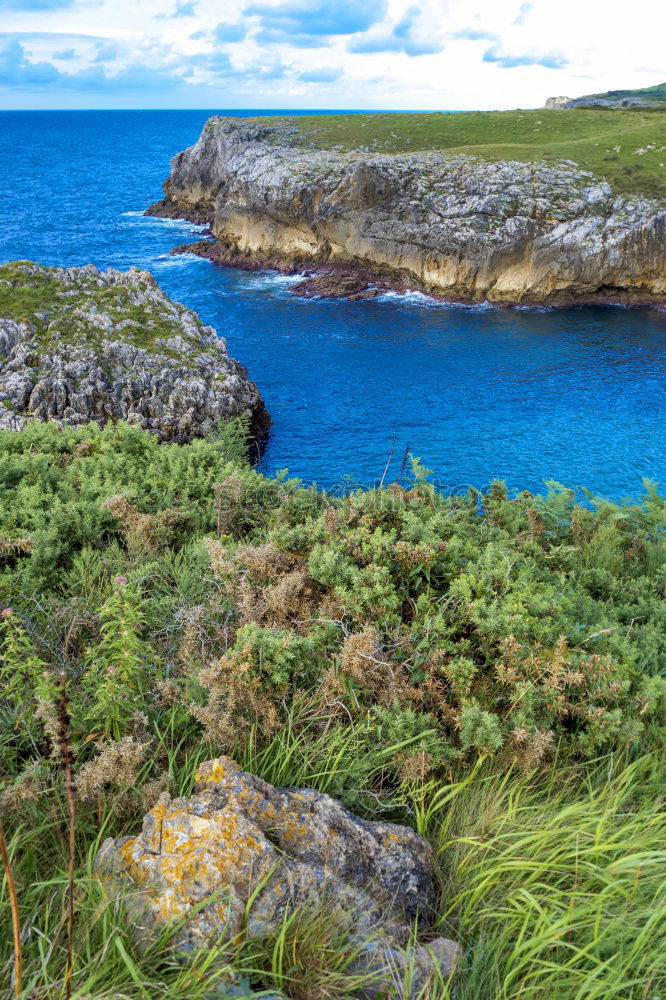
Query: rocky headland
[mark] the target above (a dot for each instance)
(455, 226)
(80, 345)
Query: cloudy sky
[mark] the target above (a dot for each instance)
(400, 54)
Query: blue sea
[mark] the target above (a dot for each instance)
(578, 396)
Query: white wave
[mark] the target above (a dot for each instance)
(172, 223)
(271, 279)
(426, 301)
(533, 309)
(178, 260)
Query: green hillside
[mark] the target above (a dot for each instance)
(626, 147)
(656, 93)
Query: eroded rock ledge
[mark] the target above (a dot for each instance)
(80, 345)
(455, 226)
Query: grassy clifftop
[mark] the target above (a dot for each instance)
(84, 306)
(656, 93)
(626, 147)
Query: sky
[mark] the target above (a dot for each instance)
(363, 54)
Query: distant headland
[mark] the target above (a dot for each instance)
(644, 97)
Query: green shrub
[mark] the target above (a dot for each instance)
(53, 485)
(514, 626)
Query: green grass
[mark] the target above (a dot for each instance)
(656, 93)
(557, 887)
(27, 289)
(588, 137)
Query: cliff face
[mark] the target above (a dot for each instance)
(81, 345)
(453, 225)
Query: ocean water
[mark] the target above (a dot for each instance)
(578, 396)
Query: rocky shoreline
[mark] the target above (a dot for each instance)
(313, 279)
(454, 227)
(80, 345)
(333, 279)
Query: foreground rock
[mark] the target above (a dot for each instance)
(240, 852)
(456, 226)
(81, 345)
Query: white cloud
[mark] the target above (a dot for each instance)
(454, 54)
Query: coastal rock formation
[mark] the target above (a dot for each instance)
(567, 103)
(456, 226)
(80, 345)
(557, 102)
(239, 853)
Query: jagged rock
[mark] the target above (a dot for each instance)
(454, 225)
(100, 346)
(239, 853)
(336, 286)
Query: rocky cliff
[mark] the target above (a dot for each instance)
(80, 345)
(456, 226)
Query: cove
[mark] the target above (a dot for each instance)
(578, 396)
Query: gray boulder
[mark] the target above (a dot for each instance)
(238, 854)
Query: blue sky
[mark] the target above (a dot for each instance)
(429, 54)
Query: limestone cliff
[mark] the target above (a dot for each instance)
(80, 345)
(455, 226)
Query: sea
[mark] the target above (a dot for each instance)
(576, 396)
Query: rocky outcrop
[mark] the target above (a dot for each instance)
(238, 854)
(456, 226)
(568, 103)
(556, 102)
(80, 345)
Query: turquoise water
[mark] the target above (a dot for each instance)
(578, 396)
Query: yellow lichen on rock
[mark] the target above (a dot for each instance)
(238, 853)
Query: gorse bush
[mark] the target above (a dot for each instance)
(486, 613)
(421, 657)
(484, 623)
(53, 485)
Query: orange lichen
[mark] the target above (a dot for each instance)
(213, 772)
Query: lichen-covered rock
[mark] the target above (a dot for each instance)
(238, 853)
(80, 345)
(454, 225)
